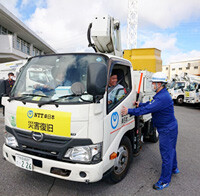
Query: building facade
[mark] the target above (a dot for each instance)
(17, 41)
(176, 68)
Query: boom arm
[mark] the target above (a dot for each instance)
(105, 32)
(186, 77)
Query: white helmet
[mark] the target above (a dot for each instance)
(159, 77)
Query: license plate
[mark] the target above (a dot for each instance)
(187, 94)
(24, 162)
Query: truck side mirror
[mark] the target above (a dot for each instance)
(96, 78)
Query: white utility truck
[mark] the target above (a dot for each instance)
(192, 90)
(176, 90)
(6, 68)
(192, 93)
(66, 128)
(13, 66)
(183, 82)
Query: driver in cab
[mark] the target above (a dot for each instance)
(61, 78)
(113, 87)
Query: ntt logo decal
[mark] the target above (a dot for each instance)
(30, 114)
(114, 120)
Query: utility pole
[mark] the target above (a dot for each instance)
(132, 23)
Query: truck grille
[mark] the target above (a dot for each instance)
(51, 147)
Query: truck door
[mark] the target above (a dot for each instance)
(118, 94)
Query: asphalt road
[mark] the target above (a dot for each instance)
(144, 170)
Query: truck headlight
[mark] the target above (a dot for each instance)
(10, 140)
(91, 153)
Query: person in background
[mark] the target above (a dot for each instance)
(162, 109)
(9, 83)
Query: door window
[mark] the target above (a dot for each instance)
(119, 85)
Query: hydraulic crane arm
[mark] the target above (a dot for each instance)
(105, 32)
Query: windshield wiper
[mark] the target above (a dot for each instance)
(16, 98)
(62, 97)
(36, 95)
(54, 100)
(27, 95)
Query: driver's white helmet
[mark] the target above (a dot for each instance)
(159, 77)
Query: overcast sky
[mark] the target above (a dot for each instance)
(173, 26)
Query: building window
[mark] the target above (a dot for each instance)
(10, 33)
(4, 31)
(173, 69)
(166, 68)
(33, 52)
(13, 42)
(18, 43)
(180, 68)
(188, 67)
(36, 51)
(28, 48)
(195, 67)
(23, 46)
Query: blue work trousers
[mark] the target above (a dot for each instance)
(168, 139)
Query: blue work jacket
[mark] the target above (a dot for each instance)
(161, 107)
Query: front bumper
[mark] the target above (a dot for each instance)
(190, 100)
(94, 172)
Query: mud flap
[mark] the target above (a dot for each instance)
(137, 137)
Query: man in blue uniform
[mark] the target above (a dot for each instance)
(164, 120)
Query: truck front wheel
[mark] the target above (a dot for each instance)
(179, 100)
(123, 160)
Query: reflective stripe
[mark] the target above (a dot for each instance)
(158, 78)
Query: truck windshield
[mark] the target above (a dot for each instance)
(179, 85)
(47, 78)
(191, 87)
(170, 85)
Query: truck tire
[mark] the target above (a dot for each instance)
(153, 138)
(179, 100)
(122, 162)
(152, 134)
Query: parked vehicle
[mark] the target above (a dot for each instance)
(176, 91)
(192, 93)
(69, 130)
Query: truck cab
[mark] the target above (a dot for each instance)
(192, 93)
(65, 128)
(176, 91)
